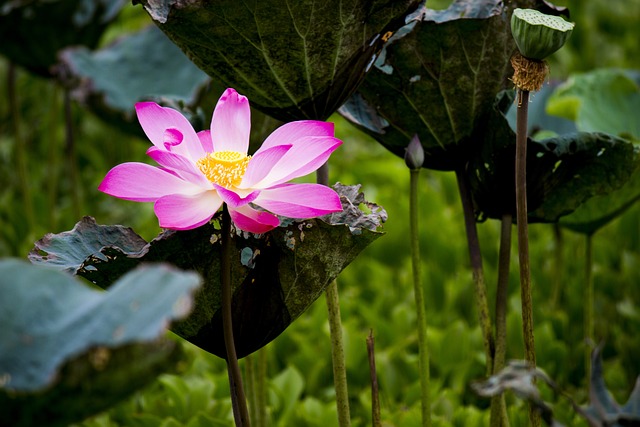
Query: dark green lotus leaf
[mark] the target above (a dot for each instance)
(293, 60)
(562, 172)
(68, 351)
(598, 211)
(33, 31)
(437, 77)
(275, 276)
(605, 100)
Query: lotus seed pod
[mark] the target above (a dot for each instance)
(538, 35)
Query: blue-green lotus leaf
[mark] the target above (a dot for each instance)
(68, 351)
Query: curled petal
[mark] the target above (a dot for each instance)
(300, 200)
(167, 129)
(143, 183)
(291, 132)
(179, 165)
(248, 219)
(184, 212)
(261, 164)
(306, 155)
(205, 140)
(234, 199)
(231, 123)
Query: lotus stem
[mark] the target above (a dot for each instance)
(238, 399)
(476, 268)
(418, 292)
(335, 330)
(588, 302)
(376, 420)
(261, 388)
(20, 147)
(72, 156)
(337, 355)
(499, 415)
(523, 237)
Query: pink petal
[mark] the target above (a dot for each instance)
(261, 164)
(248, 219)
(205, 140)
(234, 199)
(291, 132)
(184, 212)
(300, 200)
(179, 165)
(143, 183)
(166, 128)
(231, 123)
(306, 155)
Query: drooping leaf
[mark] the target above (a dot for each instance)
(562, 172)
(32, 32)
(604, 100)
(68, 351)
(293, 60)
(275, 276)
(437, 77)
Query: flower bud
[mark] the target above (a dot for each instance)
(414, 154)
(539, 35)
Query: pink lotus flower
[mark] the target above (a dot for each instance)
(200, 171)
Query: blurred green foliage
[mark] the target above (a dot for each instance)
(375, 290)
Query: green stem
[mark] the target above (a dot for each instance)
(337, 355)
(523, 238)
(252, 393)
(261, 388)
(20, 149)
(72, 155)
(335, 330)
(499, 409)
(238, 399)
(418, 292)
(588, 302)
(53, 161)
(558, 266)
(376, 420)
(476, 268)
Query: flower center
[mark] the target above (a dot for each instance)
(225, 168)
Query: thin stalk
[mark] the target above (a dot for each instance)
(261, 388)
(53, 161)
(335, 330)
(238, 399)
(418, 292)
(376, 420)
(588, 302)
(72, 155)
(499, 409)
(558, 265)
(476, 268)
(20, 149)
(337, 355)
(250, 375)
(523, 238)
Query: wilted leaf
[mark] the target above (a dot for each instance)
(605, 100)
(68, 351)
(33, 31)
(293, 60)
(286, 270)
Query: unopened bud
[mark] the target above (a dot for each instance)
(414, 154)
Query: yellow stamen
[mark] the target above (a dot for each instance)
(225, 168)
